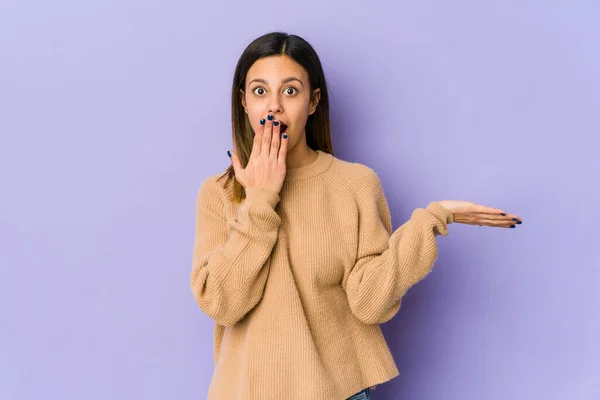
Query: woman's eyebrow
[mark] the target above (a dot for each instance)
(286, 80)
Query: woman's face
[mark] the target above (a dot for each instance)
(278, 85)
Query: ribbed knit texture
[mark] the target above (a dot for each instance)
(298, 281)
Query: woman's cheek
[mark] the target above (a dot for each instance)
(255, 122)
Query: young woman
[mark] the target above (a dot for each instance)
(294, 256)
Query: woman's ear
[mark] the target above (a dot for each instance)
(243, 98)
(314, 102)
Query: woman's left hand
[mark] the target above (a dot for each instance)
(466, 212)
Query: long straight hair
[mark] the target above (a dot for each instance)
(318, 134)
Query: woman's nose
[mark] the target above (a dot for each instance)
(275, 106)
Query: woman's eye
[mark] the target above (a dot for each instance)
(259, 91)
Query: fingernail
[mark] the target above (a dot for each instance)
(262, 121)
(270, 117)
(285, 135)
(512, 226)
(514, 219)
(229, 153)
(502, 214)
(519, 222)
(276, 123)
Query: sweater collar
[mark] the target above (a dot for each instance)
(317, 167)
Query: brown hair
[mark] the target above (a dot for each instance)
(318, 135)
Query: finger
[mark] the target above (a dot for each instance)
(509, 217)
(488, 210)
(275, 139)
(283, 149)
(257, 139)
(266, 137)
(489, 222)
(491, 211)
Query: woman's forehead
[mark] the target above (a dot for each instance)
(276, 67)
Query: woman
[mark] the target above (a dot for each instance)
(294, 256)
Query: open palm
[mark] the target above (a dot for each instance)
(466, 212)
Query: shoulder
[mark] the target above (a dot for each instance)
(362, 179)
(213, 191)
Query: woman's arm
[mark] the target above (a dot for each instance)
(229, 267)
(387, 263)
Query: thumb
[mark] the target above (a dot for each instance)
(235, 162)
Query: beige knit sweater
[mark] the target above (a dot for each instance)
(298, 281)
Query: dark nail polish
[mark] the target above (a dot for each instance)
(512, 226)
(514, 219)
(270, 117)
(285, 135)
(502, 214)
(519, 222)
(229, 153)
(262, 121)
(276, 123)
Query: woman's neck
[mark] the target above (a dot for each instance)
(300, 156)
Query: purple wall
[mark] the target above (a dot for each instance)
(112, 113)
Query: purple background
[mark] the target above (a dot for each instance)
(112, 113)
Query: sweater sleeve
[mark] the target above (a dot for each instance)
(230, 256)
(389, 263)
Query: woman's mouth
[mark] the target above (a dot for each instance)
(283, 128)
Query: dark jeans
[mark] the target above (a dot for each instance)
(362, 395)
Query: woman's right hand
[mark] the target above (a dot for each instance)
(266, 167)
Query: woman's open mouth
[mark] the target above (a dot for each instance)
(283, 128)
